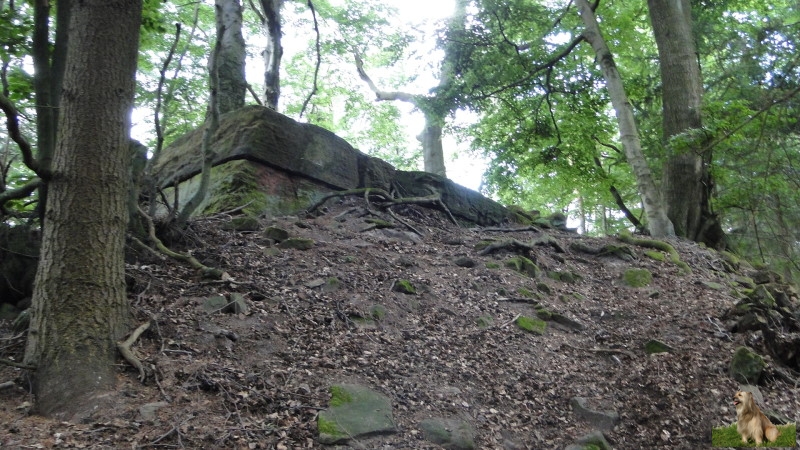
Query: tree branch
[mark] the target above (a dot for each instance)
(536, 70)
(211, 127)
(20, 192)
(380, 94)
(8, 362)
(736, 129)
(160, 90)
(319, 59)
(12, 124)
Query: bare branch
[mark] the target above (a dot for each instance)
(211, 127)
(20, 192)
(255, 96)
(319, 60)
(738, 128)
(160, 89)
(12, 124)
(380, 94)
(537, 69)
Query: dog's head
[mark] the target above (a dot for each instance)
(743, 401)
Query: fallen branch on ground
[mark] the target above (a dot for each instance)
(18, 365)
(627, 353)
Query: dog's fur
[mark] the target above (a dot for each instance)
(752, 422)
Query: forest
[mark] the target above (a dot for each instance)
(672, 118)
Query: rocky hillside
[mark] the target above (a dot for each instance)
(517, 337)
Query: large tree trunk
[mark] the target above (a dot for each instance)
(686, 180)
(432, 149)
(232, 55)
(657, 221)
(79, 302)
(272, 52)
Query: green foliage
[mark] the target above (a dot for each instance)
(341, 102)
(185, 92)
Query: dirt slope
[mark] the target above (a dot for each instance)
(258, 379)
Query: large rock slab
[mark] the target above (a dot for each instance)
(355, 411)
(277, 165)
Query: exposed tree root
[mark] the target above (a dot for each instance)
(207, 272)
(622, 252)
(390, 200)
(514, 245)
(124, 348)
(657, 245)
(620, 351)
(508, 230)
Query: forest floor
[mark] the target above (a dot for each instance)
(257, 378)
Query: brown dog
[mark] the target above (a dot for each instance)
(752, 422)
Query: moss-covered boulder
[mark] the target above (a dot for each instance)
(297, 243)
(523, 265)
(354, 411)
(531, 325)
(637, 277)
(746, 366)
(655, 346)
(276, 234)
(404, 287)
(564, 276)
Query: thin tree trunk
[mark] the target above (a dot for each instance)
(232, 56)
(273, 51)
(79, 304)
(657, 221)
(48, 77)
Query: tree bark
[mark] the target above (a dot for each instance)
(273, 52)
(432, 149)
(48, 77)
(79, 306)
(686, 180)
(657, 221)
(231, 61)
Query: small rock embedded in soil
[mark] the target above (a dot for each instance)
(451, 434)
(604, 420)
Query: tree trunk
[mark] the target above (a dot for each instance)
(432, 150)
(79, 303)
(230, 67)
(657, 221)
(272, 52)
(686, 180)
(47, 80)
